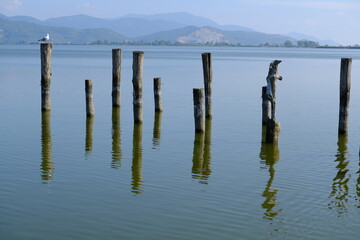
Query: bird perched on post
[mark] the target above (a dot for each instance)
(45, 39)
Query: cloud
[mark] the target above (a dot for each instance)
(86, 7)
(10, 5)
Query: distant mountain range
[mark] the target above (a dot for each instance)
(170, 27)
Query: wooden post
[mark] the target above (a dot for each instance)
(138, 58)
(272, 127)
(199, 116)
(345, 82)
(116, 76)
(89, 98)
(45, 54)
(207, 68)
(266, 106)
(157, 94)
(271, 85)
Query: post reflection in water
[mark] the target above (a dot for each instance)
(157, 130)
(269, 155)
(202, 154)
(89, 134)
(116, 138)
(358, 186)
(46, 148)
(340, 188)
(137, 159)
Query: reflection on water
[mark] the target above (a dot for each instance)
(157, 130)
(137, 159)
(202, 154)
(358, 186)
(116, 138)
(89, 134)
(340, 188)
(269, 155)
(46, 148)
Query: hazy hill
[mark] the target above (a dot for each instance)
(174, 27)
(192, 34)
(187, 19)
(129, 26)
(25, 32)
(138, 25)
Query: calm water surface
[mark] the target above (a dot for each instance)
(67, 177)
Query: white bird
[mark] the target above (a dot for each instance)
(44, 39)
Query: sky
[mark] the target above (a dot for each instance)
(338, 20)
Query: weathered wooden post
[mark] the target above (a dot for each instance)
(138, 58)
(345, 83)
(116, 77)
(45, 54)
(157, 94)
(89, 98)
(272, 127)
(266, 106)
(207, 68)
(271, 85)
(199, 114)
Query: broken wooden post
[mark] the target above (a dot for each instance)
(345, 82)
(45, 54)
(271, 85)
(89, 98)
(157, 94)
(199, 114)
(266, 107)
(207, 69)
(116, 77)
(272, 127)
(138, 58)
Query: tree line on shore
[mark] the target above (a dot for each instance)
(287, 43)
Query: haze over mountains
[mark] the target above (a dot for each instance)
(169, 27)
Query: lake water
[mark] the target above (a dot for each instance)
(65, 177)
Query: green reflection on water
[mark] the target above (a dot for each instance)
(89, 135)
(46, 148)
(202, 154)
(269, 155)
(137, 159)
(340, 189)
(157, 130)
(116, 138)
